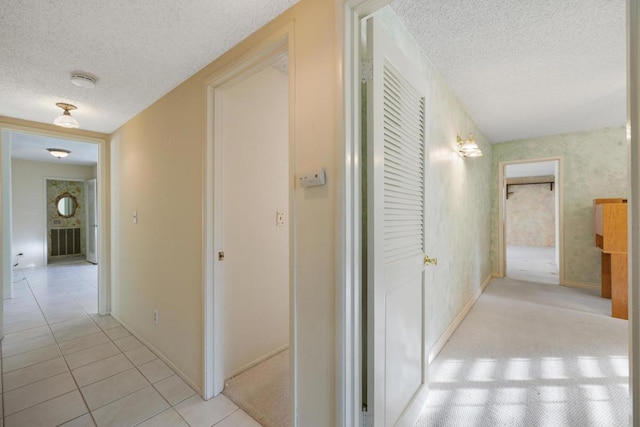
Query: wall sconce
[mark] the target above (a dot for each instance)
(468, 147)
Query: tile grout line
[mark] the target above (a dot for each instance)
(171, 406)
(32, 364)
(31, 349)
(78, 388)
(63, 358)
(4, 413)
(106, 378)
(237, 409)
(44, 401)
(110, 376)
(154, 387)
(134, 367)
(151, 383)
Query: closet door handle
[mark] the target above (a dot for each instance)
(428, 260)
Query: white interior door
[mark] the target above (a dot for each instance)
(396, 354)
(92, 220)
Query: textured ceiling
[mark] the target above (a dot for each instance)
(522, 68)
(526, 68)
(139, 50)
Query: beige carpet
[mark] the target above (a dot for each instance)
(263, 391)
(532, 354)
(532, 264)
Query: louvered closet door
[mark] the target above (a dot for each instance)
(396, 353)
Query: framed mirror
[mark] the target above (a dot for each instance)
(66, 205)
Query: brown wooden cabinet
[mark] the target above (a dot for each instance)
(611, 237)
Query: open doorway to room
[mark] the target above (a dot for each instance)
(252, 230)
(54, 240)
(255, 215)
(532, 221)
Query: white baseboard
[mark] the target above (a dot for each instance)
(257, 361)
(161, 356)
(438, 346)
(583, 285)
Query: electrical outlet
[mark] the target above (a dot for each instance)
(155, 316)
(279, 218)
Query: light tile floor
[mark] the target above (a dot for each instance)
(64, 365)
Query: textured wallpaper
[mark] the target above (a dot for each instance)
(457, 194)
(56, 188)
(531, 215)
(595, 166)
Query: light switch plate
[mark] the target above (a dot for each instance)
(312, 179)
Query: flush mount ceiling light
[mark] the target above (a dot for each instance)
(83, 79)
(468, 147)
(65, 120)
(58, 152)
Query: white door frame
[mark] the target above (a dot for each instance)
(6, 228)
(104, 268)
(253, 61)
(502, 211)
(633, 141)
(349, 253)
(91, 222)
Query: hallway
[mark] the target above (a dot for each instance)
(62, 364)
(530, 354)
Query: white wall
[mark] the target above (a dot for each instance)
(556, 211)
(256, 185)
(28, 200)
(5, 158)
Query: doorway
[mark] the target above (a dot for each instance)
(250, 347)
(255, 217)
(532, 221)
(530, 217)
(27, 169)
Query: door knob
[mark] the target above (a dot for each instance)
(428, 260)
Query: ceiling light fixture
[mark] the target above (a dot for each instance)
(58, 152)
(83, 79)
(65, 120)
(468, 147)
